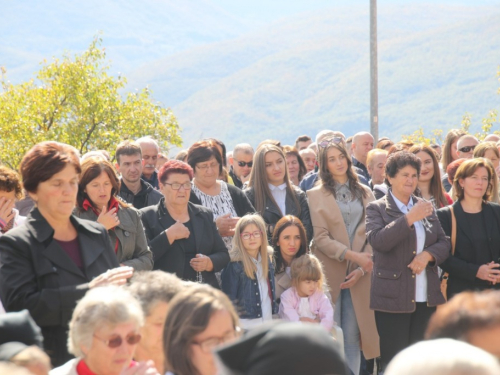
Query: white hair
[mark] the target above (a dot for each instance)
(108, 305)
(149, 141)
(443, 357)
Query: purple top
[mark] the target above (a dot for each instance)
(72, 248)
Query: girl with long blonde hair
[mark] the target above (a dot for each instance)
(248, 279)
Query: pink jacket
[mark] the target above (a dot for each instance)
(319, 303)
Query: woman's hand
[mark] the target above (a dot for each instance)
(419, 263)
(6, 209)
(116, 276)
(178, 231)
(364, 260)
(419, 211)
(108, 218)
(352, 279)
(489, 272)
(141, 368)
(226, 224)
(201, 263)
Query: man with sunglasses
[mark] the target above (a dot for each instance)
(465, 146)
(241, 164)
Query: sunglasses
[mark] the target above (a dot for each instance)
(242, 163)
(467, 148)
(326, 142)
(117, 341)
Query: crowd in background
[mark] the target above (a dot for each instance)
(240, 261)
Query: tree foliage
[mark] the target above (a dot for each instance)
(75, 101)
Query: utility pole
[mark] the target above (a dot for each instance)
(373, 71)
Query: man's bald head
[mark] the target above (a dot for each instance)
(362, 143)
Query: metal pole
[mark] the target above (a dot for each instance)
(373, 71)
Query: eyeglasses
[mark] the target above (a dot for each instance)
(335, 140)
(205, 167)
(117, 341)
(177, 186)
(467, 148)
(242, 163)
(246, 235)
(210, 344)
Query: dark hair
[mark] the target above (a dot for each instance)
(202, 151)
(326, 178)
(189, 314)
(285, 222)
(9, 181)
(182, 155)
(292, 151)
(399, 160)
(128, 148)
(91, 169)
(174, 166)
(222, 149)
(302, 138)
(436, 187)
(464, 313)
(44, 160)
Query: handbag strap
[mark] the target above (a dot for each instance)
(453, 231)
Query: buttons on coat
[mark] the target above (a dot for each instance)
(414, 252)
(126, 233)
(395, 275)
(413, 300)
(54, 269)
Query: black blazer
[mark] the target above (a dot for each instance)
(463, 267)
(170, 257)
(36, 274)
(241, 204)
(272, 213)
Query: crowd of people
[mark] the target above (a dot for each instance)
(332, 256)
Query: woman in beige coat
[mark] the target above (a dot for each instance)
(337, 209)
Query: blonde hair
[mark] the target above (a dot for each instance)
(238, 252)
(307, 267)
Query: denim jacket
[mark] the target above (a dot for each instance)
(245, 292)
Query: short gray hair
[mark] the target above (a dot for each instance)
(243, 147)
(148, 140)
(109, 305)
(151, 287)
(443, 357)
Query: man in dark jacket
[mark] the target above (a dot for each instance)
(133, 189)
(241, 164)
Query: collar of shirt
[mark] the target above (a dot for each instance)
(344, 186)
(280, 187)
(256, 261)
(403, 207)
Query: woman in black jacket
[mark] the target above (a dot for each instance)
(182, 235)
(271, 192)
(50, 262)
(475, 263)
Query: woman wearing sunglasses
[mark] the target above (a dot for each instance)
(227, 202)
(271, 192)
(103, 335)
(338, 215)
(182, 235)
(199, 320)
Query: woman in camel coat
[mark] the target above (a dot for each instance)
(337, 207)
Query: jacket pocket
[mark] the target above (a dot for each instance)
(386, 283)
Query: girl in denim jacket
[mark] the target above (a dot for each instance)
(305, 301)
(248, 279)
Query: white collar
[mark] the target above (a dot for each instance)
(274, 187)
(258, 260)
(401, 204)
